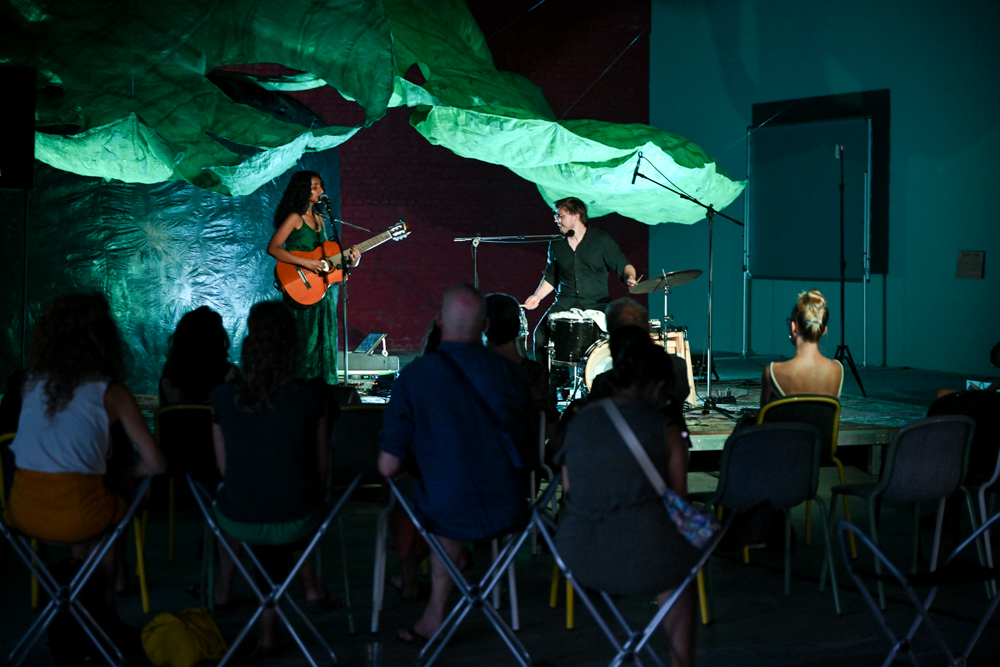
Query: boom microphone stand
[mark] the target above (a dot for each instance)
(709, 403)
(476, 240)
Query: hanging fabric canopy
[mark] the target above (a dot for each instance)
(131, 79)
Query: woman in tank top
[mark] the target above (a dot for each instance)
(808, 372)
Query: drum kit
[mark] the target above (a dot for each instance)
(577, 342)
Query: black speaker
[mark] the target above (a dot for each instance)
(17, 148)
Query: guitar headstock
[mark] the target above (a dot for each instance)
(399, 231)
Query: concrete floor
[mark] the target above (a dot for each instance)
(754, 623)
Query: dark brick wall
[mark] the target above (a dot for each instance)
(389, 171)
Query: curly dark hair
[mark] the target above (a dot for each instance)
(296, 196)
(198, 359)
(75, 341)
(270, 355)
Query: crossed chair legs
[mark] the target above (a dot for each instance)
(66, 597)
(274, 598)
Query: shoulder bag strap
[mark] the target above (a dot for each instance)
(638, 451)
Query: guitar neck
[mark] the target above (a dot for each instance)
(365, 246)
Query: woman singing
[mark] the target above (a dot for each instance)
(299, 226)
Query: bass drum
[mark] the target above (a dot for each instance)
(598, 358)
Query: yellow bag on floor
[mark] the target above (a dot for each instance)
(183, 640)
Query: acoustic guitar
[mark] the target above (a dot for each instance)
(305, 287)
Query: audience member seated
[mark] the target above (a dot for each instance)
(503, 314)
(472, 466)
(808, 372)
(73, 395)
(993, 386)
(270, 433)
(198, 360)
(614, 532)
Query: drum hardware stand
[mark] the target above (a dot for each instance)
(843, 351)
(709, 402)
(343, 284)
(521, 238)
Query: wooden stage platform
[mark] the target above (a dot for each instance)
(864, 422)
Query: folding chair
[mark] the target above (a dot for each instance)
(953, 572)
(273, 598)
(65, 597)
(635, 641)
(473, 595)
(823, 412)
(925, 462)
(778, 463)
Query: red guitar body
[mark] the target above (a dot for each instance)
(305, 287)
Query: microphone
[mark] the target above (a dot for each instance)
(636, 172)
(323, 199)
(569, 234)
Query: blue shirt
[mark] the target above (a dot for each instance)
(469, 488)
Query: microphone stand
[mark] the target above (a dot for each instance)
(347, 273)
(476, 240)
(709, 403)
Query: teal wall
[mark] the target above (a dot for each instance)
(712, 60)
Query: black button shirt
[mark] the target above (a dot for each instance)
(581, 277)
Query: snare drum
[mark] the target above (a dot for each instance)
(572, 335)
(598, 358)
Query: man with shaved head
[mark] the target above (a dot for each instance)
(462, 417)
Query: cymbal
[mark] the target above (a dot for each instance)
(672, 279)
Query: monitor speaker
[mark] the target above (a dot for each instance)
(17, 149)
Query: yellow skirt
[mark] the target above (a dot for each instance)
(62, 507)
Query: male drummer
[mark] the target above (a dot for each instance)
(577, 269)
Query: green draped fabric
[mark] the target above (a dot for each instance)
(132, 77)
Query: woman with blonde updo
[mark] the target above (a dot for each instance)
(809, 372)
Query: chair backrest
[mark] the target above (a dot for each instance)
(927, 459)
(774, 462)
(984, 408)
(823, 412)
(354, 444)
(184, 434)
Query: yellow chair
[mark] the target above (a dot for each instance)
(184, 435)
(823, 412)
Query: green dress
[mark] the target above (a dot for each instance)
(317, 323)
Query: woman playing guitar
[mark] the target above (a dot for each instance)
(299, 227)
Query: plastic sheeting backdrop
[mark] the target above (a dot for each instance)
(130, 82)
(132, 77)
(157, 251)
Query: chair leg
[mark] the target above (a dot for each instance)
(140, 563)
(171, 519)
(34, 580)
(703, 598)
(938, 525)
(570, 619)
(829, 562)
(788, 552)
(809, 523)
(515, 613)
(873, 531)
(378, 586)
(847, 508)
(347, 578)
(983, 515)
(554, 590)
